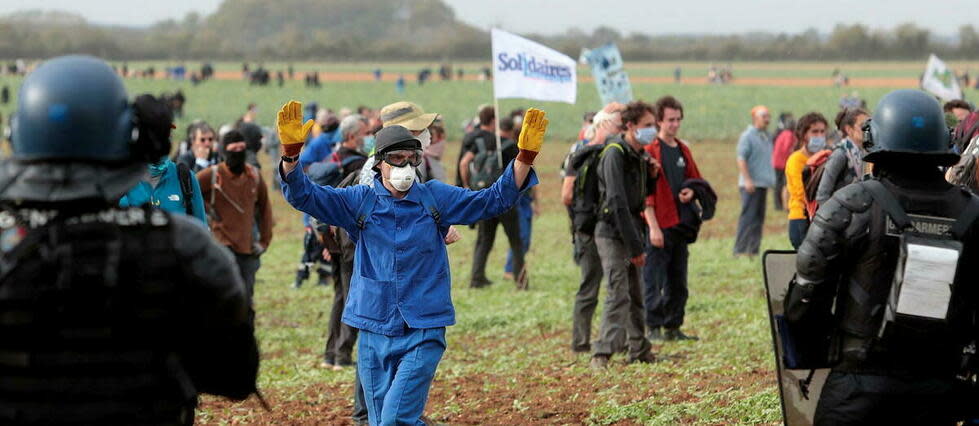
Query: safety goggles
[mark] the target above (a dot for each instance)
(402, 157)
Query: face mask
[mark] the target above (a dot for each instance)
(158, 168)
(402, 177)
(816, 144)
(369, 144)
(235, 160)
(425, 138)
(646, 135)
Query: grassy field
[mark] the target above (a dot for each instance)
(508, 359)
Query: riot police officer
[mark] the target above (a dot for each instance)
(109, 315)
(895, 357)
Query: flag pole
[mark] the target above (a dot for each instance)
(496, 113)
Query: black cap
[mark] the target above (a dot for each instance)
(393, 138)
(253, 136)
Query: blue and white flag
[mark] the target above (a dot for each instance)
(526, 69)
(609, 73)
(940, 81)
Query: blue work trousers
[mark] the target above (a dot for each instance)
(397, 372)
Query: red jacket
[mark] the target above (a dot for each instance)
(662, 199)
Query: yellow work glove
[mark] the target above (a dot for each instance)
(531, 135)
(292, 131)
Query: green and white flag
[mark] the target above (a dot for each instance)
(940, 81)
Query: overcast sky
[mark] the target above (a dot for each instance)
(556, 16)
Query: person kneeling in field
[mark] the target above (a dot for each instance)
(399, 294)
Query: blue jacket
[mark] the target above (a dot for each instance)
(167, 195)
(319, 148)
(401, 268)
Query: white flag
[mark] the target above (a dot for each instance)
(941, 81)
(525, 69)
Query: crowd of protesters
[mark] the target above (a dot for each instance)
(634, 193)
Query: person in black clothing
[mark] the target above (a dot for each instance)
(253, 142)
(485, 143)
(624, 180)
(109, 315)
(892, 366)
(201, 153)
(485, 131)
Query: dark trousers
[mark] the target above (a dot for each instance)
(486, 235)
(622, 326)
(525, 209)
(665, 276)
(248, 265)
(586, 300)
(797, 231)
(779, 186)
(864, 399)
(359, 415)
(340, 337)
(748, 240)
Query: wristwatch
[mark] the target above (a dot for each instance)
(289, 159)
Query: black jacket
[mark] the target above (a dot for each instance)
(693, 214)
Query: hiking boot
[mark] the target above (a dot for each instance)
(647, 357)
(599, 362)
(655, 334)
(674, 334)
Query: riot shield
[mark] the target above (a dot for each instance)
(797, 409)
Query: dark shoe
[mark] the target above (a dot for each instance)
(599, 362)
(480, 283)
(581, 349)
(674, 334)
(297, 284)
(324, 280)
(655, 333)
(646, 358)
(344, 361)
(327, 363)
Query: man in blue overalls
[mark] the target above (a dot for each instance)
(399, 294)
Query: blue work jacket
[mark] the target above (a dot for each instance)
(167, 195)
(401, 268)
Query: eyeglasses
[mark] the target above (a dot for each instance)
(402, 157)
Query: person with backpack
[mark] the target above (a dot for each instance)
(890, 266)
(672, 218)
(579, 193)
(811, 133)
(169, 186)
(755, 176)
(237, 202)
(480, 167)
(845, 165)
(400, 291)
(625, 179)
(346, 159)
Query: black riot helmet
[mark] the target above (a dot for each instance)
(908, 125)
(73, 135)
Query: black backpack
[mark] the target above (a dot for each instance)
(587, 200)
(486, 167)
(186, 187)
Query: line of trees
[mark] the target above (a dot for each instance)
(319, 30)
